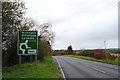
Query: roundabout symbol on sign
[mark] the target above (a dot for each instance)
(25, 44)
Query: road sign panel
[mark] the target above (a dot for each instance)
(27, 43)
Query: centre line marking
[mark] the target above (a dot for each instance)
(98, 70)
(91, 66)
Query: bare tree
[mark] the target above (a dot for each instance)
(46, 33)
(27, 23)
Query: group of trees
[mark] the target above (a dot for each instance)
(89, 53)
(69, 49)
(13, 20)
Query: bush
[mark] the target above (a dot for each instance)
(43, 49)
(103, 56)
(99, 55)
(88, 53)
(63, 53)
(91, 54)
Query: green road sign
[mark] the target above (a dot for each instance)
(27, 43)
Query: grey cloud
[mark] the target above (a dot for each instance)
(81, 23)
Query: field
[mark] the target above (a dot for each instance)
(44, 69)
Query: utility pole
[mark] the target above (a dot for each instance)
(105, 45)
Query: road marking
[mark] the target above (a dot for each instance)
(93, 67)
(61, 69)
(98, 70)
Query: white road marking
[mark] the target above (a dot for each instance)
(61, 69)
(93, 67)
(98, 69)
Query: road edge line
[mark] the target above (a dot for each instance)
(60, 69)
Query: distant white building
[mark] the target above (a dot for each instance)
(77, 52)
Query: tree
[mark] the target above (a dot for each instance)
(13, 20)
(12, 15)
(43, 49)
(69, 49)
(46, 33)
(27, 23)
(46, 39)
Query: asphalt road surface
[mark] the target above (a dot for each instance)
(79, 68)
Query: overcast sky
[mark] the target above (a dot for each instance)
(81, 23)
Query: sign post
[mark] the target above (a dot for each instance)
(27, 43)
(36, 58)
(19, 59)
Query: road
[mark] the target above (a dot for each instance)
(79, 68)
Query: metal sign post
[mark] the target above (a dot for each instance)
(36, 59)
(19, 59)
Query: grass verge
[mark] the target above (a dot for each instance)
(44, 69)
(116, 61)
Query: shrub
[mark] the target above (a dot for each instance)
(99, 55)
(84, 53)
(103, 55)
(91, 54)
(88, 53)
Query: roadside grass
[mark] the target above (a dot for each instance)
(43, 69)
(0, 74)
(116, 61)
